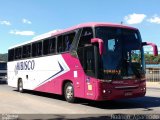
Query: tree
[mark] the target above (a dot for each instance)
(3, 57)
(150, 59)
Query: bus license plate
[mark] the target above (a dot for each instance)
(128, 93)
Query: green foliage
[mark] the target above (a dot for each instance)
(150, 59)
(3, 57)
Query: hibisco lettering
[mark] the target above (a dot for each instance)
(25, 65)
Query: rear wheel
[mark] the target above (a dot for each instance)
(20, 86)
(69, 92)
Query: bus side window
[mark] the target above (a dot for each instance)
(52, 45)
(39, 48)
(86, 36)
(26, 51)
(18, 53)
(33, 49)
(46, 47)
(11, 55)
(24, 54)
(67, 40)
(64, 42)
(60, 44)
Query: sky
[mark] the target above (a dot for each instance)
(21, 20)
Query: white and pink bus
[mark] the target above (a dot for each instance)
(96, 61)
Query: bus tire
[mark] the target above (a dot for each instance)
(69, 92)
(20, 86)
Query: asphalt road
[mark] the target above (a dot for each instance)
(13, 102)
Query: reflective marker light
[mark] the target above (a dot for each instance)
(104, 91)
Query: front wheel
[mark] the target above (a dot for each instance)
(69, 92)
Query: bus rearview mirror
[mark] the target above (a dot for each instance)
(100, 44)
(154, 46)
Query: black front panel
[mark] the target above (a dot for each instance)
(88, 59)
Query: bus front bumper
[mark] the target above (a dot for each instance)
(109, 91)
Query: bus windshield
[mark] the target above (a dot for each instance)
(122, 57)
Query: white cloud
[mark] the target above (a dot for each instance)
(5, 22)
(154, 19)
(23, 33)
(25, 21)
(134, 18)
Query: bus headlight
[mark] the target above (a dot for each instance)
(108, 91)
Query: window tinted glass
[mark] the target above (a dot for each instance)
(11, 55)
(34, 47)
(65, 42)
(87, 59)
(26, 51)
(60, 44)
(46, 47)
(49, 46)
(37, 49)
(52, 45)
(86, 36)
(68, 39)
(18, 53)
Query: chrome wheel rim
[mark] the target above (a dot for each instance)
(69, 92)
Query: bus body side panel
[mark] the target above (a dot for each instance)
(75, 75)
(49, 73)
(11, 74)
(37, 71)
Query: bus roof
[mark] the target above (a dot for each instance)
(57, 32)
(94, 24)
